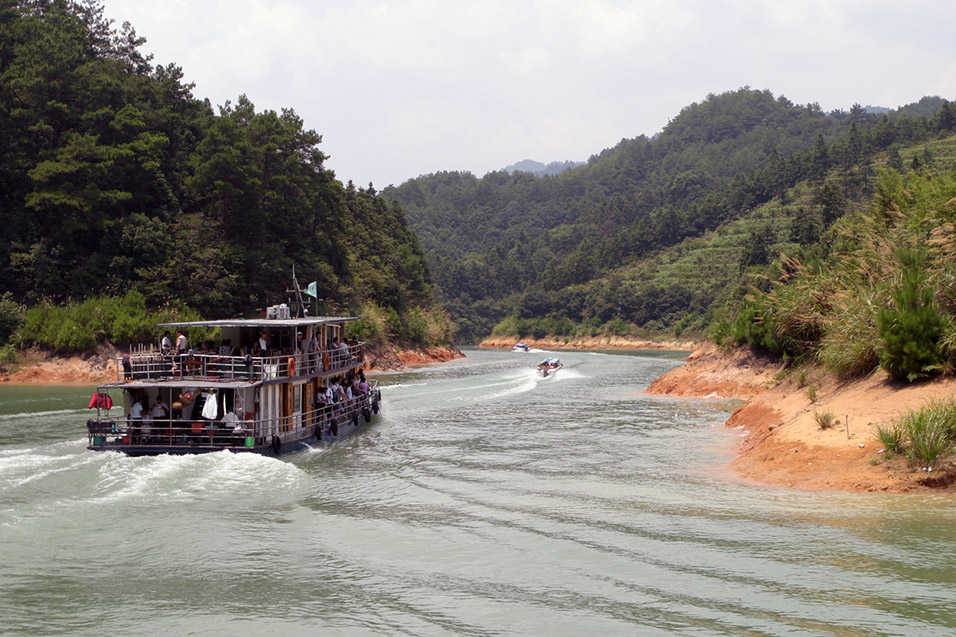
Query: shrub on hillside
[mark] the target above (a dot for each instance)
(78, 327)
(12, 315)
(912, 327)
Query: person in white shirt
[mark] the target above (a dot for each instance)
(231, 421)
(159, 410)
(166, 346)
(135, 420)
(136, 411)
(261, 345)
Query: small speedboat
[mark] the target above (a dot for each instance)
(549, 366)
(521, 347)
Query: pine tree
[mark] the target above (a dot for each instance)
(912, 328)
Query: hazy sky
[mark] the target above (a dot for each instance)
(400, 89)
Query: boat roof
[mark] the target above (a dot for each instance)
(264, 322)
(177, 383)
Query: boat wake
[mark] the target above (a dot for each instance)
(41, 414)
(215, 476)
(521, 382)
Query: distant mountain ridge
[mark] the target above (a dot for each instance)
(541, 170)
(731, 182)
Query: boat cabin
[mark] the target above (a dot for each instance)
(265, 385)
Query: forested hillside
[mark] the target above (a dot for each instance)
(727, 184)
(116, 180)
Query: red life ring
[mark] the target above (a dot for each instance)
(290, 367)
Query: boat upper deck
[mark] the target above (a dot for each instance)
(153, 367)
(258, 350)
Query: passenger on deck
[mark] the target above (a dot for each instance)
(231, 421)
(341, 394)
(135, 419)
(186, 398)
(329, 395)
(181, 346)
(260, 347)
(159, 410)
(225, 348)
(166, 345)
(311, 354)
(136, 410)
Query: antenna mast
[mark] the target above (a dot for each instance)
(301, 306)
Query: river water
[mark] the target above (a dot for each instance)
(484, 501)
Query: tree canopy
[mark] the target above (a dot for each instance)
(114, 178)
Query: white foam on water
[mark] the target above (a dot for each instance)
(526, 380)
(35, 414)
(189, 477)
(568, 374)
(23, 466)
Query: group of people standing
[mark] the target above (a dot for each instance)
(342, 390)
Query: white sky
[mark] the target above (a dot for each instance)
(404, 88)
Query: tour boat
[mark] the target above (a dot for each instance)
(549, 366)
(264, 402)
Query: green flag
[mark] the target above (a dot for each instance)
(312, 290)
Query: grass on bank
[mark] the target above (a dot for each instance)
(925, 436)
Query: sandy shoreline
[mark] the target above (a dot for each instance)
(587, 343)
(781, 443)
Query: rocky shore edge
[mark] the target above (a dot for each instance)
(586, 343)
(781, 442)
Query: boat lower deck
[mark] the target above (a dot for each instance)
(179, 437)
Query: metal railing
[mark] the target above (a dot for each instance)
(155, 366)
(189, 433)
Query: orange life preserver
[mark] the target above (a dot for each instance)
(325, 362)
(290, 367)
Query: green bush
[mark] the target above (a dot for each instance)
(8, 354)
(12, 316)
(825, 419)
(416, 326)
(78, 327)
(930, 431)
(891, 437)
(911, 330)
(751, 326)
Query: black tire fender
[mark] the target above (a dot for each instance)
(276, 445)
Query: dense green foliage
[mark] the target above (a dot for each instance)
(911, 328)
(115, 179)
(884, 294)
(655, 232)
(79, 327)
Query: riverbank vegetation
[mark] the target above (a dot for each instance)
(663, 234)
(881, 294)
(127, 200)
